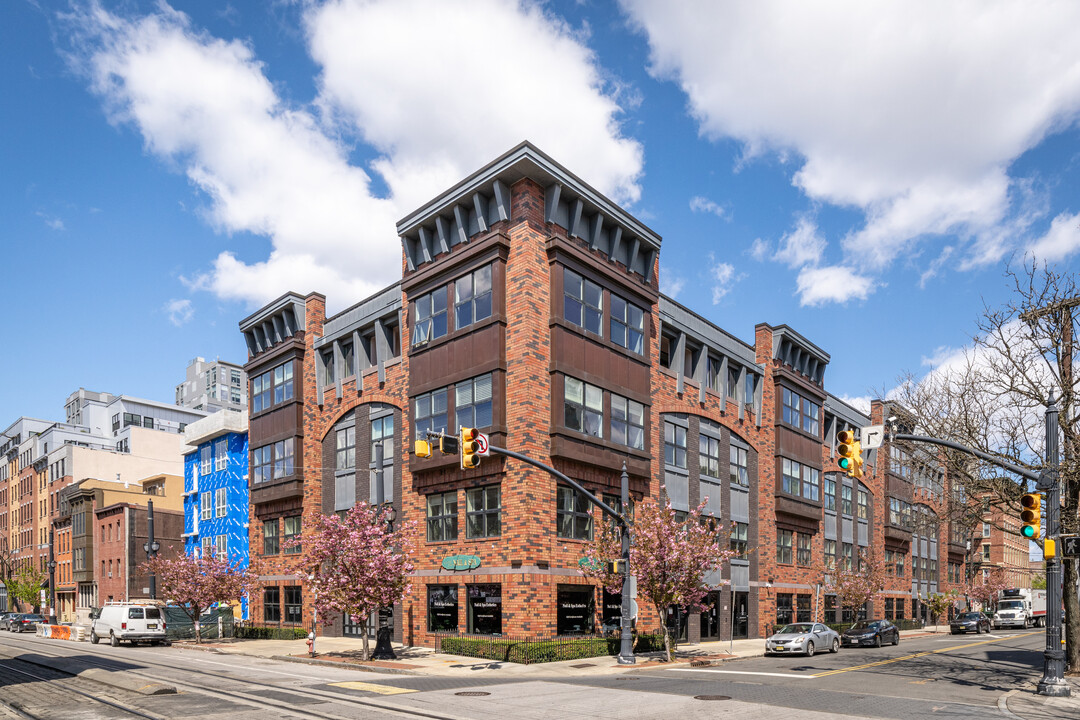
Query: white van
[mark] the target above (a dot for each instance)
(129, 621)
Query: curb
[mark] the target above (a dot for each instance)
(1003, 705)
(347, 665)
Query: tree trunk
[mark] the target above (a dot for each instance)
(198, 636)
(365, 655)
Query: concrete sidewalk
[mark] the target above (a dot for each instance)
(1028, 705)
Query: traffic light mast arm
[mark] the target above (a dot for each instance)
(1022, 472)
(569, 481)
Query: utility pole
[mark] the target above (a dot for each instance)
(151, 546)
(52, 579)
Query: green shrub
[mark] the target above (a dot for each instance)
(252, 632)
(527, 652)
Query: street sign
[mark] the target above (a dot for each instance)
(1070, 545)
(872, 436)
(482, 441)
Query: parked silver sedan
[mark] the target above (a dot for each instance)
(805, 638)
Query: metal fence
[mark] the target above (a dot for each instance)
(527, 651)
(213, 624)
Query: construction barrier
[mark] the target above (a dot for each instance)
(61, 632)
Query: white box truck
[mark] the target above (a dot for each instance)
(1021, 608)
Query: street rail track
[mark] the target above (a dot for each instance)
(22, 711)
(45, 649)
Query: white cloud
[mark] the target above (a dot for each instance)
(802, 246)
(936, 265)
(419, 81)
(821, 285)
(179, 311)
(860, 403)
(705, 205)
(759, 249)
(910, 112)
(51, 222)
(725, 278)
(435, 109)
(944, 356)
(671, 285)
(1060, 241)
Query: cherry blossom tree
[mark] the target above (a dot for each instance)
(857, 585)
(670, 558)
(986, 590)
(196, 583)
(353, 564)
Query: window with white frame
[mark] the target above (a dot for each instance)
(207, 546)
(709, 456)
(222, 542)
(627, 325)
(583, 407)
(627, 422)
(430, 313)
(472, 402)
(205, 458)
(206, 506)
(430, 413)
(675, 445)
(346, 448)
(220, 502)
(472, 298)
(221, 448)
(739, 466)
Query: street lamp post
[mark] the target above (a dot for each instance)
(383, 649)
(52, 580)
(151, 546)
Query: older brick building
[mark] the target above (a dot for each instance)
(529, 307)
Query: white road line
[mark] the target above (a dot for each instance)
(745, 672)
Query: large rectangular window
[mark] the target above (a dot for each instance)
(442, 517)
(845, 499)
(283, 382)
(675, 445)
(272, 387)
(272, 605)
(205, 460)
(345, 457)
(573, 519)
(830, 494)
(785, 612)
(283, 458)
(864, 505)
(709, 456)
(294, 607)
(576, 610)
(442, 608)
(328, 377)
(791, 482)
(472, 402)
(430, 321)
(739, 543)
(830, 554)
(627, 325)
(472, 298)
(802, 554)
(584, 407)
(485, 609)
(221, 448)
(792, 415)
(271, 537)
(292, 531)
(482, 512)
(431, 413)
(348, 360)
(221, 505)
(206, 506)
(738, 466)
(583, 302)
(783, 546)
(811, 487)
(627, 422)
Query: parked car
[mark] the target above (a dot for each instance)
(24, 621)
(133, 622)
(805, 638)
(975, 622)
(874, 632)
(4, 617)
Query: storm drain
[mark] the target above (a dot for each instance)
(472, 693)
(712, 697)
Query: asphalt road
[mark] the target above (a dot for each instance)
(928, 677)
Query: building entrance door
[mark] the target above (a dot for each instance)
(741, 611)
(710, 617)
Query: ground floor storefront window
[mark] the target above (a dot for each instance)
(576, 608)
(612, 612)
(785, 612)
(272, 604)
(442, 608)
(294, 605)
(485, 609)
(803, 611)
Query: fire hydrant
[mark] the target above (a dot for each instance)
(311, 644)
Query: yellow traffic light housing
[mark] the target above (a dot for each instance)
(856, 460)
(422, 449)
(845, 448)
(1031, 515)
(448, 445)
(470, 448)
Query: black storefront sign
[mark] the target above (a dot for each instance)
(485, 609)
(442, 608)
(612, 611)
(576, 610)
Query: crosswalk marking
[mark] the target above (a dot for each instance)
(745, 672)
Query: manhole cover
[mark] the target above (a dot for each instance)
(712, 697)
(579, 666)
(472, 693)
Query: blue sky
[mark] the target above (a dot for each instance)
(862, 173)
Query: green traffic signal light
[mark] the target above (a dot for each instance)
(1031, 515)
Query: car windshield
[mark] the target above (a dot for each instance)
(1010, 605)
(970, 616)
(794, 629)
(863, 625)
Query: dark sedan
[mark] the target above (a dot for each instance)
(875, 633)
(4, 617)
(974, 622)
(22, 623)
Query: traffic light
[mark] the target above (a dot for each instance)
(616, 567)
(850, 452)
(856, 461)
(470, 448)
(422, 449)
(448, 445)
(1031, 515)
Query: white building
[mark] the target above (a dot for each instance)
(213, 386)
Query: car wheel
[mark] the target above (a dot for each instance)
(978, 629)
(877, 641)
(896, 638)
(113, 640)
(810, 648)
(835, 645)
(94, 638)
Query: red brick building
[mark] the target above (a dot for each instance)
(529, 307)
